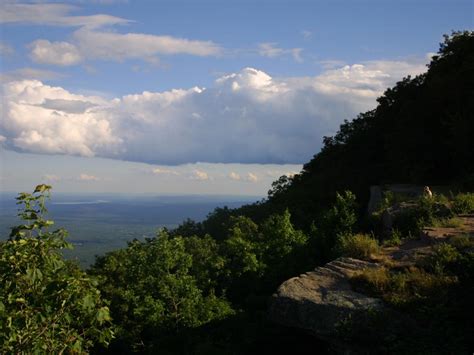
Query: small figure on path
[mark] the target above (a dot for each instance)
(427, 192)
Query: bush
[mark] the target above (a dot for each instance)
(394, 240)
(444, 255)
(47, 305)
(360, 246)
(462, 242)
(463, 203)
(426, 212)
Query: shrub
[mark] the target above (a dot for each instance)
(360, 246)
(444, 254)
(47, 304)
(463, 203)
(409, 288)
(462, 242)
(430, 209)
(394, 240)
(426, 212)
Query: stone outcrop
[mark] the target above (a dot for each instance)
(318, 301)
(375, 199)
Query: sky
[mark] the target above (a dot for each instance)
(196, 97)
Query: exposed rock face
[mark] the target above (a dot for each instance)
(319, 300)
(375, 199)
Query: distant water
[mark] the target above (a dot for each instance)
(80, 202)
(101, 223)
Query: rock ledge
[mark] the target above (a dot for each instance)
(318, 301)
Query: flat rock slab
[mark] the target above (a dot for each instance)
(319, 300)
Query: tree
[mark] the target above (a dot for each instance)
(47, 304)
(153, 292)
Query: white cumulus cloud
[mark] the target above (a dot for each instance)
(30, 126)
(164, 171)
(251, 177)
(271, 50)
(234, 176)
(54, 15)
(245, 117)
(58, 53)
(93, 44)
(200, 175)
(87, 177)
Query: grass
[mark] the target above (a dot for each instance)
(402, 289)
(453, 222)
(463, 203)
(394, 240)
(359, 246)
(462, 242)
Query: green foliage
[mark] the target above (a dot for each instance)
(259, 257)
(188, 228)
(359, 246)
(394, 240)
(153, 291)
(279, 186)
(431, 209)
(423, 212)
(338, 221)
(462, 242)
(406, 289)
(463, 203)
(282, 248)
(452, 222)
(47, 305)
(279, 238)
(208, 264)
(342, 215)
(444, 255)
(162, 288)
(241, 248)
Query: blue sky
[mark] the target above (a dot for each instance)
(196, 96)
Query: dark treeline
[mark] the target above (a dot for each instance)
(421, 132)
(204, 288)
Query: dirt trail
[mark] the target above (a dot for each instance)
(410, 250)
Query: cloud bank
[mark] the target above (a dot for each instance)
(100, 45)
(95, 37)
(245, 117)
(54, 15)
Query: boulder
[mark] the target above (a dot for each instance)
(375, 199)
(321, 300)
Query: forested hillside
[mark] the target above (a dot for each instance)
(420, 133)
(204, 287)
